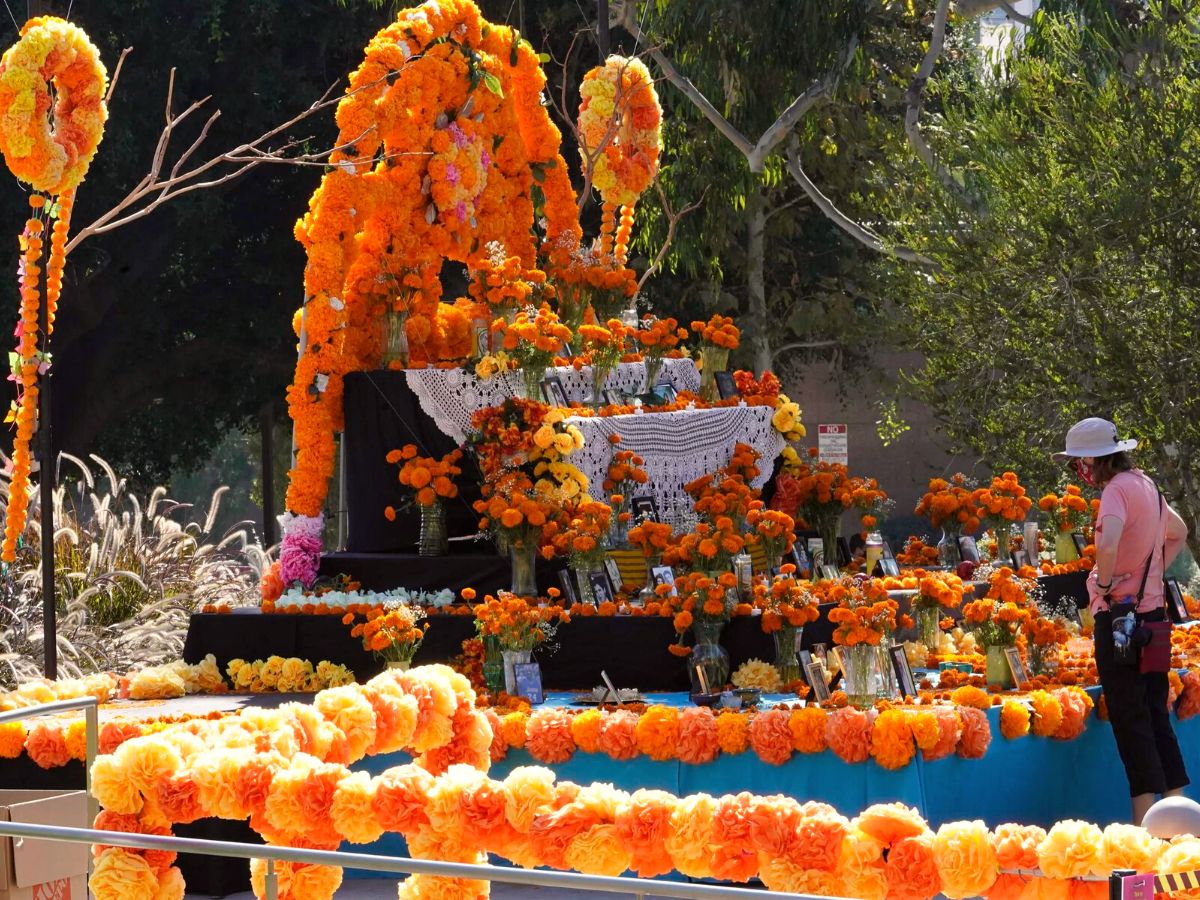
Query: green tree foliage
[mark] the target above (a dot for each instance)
(1077, 292)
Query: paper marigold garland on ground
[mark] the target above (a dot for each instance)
(50, 149)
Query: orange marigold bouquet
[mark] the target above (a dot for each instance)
(533, 339)
(950, 505)
(917, 553)
(392, 632)
(502, 282)
(657, 337)
(997, 620)
(603, 347)
(583, 279)
(514, 623)
(581, 539)
(710, 545)
(701, 600)
(717, 337)
(431, 479)
(786, 601)
(1000, 504)
(773, 531)
(758, 391)
(652, 538)
(863, 615)
(1068, 512)
(938, 590)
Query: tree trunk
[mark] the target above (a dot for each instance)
(1175, 479)
(756, 216)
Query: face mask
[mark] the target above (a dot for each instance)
(1086, 473)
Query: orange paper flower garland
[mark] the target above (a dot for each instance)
(51, 149)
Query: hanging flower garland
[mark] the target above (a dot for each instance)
(50, 148)
(445, 148)
(619, 116)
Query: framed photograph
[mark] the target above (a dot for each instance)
(1176, 607)
(483, 340)
(816, 552)
(1020, 676)
(614, 574)
(904, 674)
(667, 391)
(816, 680)
(664, 575)
(887, 551)
(529, 682)
(602, 588)
(1080, 541)
(889, 567)
(611, 397)
(968, 550)
(644, 509)
(568, 352)
(553, 391)
(843, 552)
(801, 560)
(1020, 558)
(806, 658)
(831, 572)
(726, 386)
(834, 658)
(821, 653)
(567, 585)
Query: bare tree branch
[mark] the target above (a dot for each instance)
(859, 232)
(112, 84)
(1011, 12)
(912, 116)
(673, 219)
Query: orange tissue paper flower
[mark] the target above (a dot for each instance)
(771, 736)
(950, 728)
(658, 732)
(585, 729)
(548, 736)
(976, 733)
(1016, 845)
(807, 725)
(892, 739)
(890, 823)
(965, 859)
(912, 870)
(848, 733)
(697, 736)
(732, 732)
(1014, 720)
(1129, 847)
(1182, 856)
(1071, 850)
(618, 735)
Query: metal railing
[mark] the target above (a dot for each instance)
(91, 719)
(639, 887)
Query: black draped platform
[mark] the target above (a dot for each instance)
(632, 649)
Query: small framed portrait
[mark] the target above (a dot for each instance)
(889, 567)
(644, 508)
(904, 674)
(726, 386)
(611, 397)
(614, 574)
(821, 652)
(816, 680)
(568, 352)
(1020, 558)
(602, 588)
(843, 552)
(801, 560)
(1020, 676)
(529, 682)
(666, 391)
(664, 575)
(483, 341)
(1176, 607)
(553, 391)
(833, 573)
(968, 550)
(1080, 541)
(887, 551)
(816, 552)
(567, 585)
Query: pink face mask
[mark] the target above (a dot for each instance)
(1086, 473)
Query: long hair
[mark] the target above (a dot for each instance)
(1108, 466)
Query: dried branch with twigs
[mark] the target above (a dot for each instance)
(673, 219)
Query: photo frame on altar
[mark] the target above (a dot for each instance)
(801, 560)
(483, 341)
(1176, 607)
(666, 391)
(844, 556)
(611, 397)
(1020, 558)
(614, 573)
(968, 550)
(664, 575)
(1080, 542)
(886, 551)
(889, 567)
(644, 508)
(904, 674)
(815, 675)
(553, 391)
(726, 386)
(816, 552)
(567, 585)
(529, 682)
(602, 586)
(1020, 676)
(831, 573)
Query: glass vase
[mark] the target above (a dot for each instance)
(886, 687)
(523, 557)
(1064, 548)
(1003, 535)
(395, 341)
(433, 539)
(493, 665)
(400, 665)
(998, 671)
(787, 643)
(860, 666)
(948, 552)
(580, 570)
(929, 627)
(829, 550)
(712, 361)
(599, 380)
(531, 382)
(709, 657)
(653, 365)
(512, 658)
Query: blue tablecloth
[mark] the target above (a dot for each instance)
(1031, 781)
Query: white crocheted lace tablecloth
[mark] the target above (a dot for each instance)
(452, 396)
(677, 447)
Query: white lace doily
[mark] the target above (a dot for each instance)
(452, 396)
(677, 447)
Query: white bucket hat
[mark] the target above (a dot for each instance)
(1094, 437)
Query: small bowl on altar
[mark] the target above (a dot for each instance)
(706, 699)
(749, 697)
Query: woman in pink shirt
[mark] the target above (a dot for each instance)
(1137, 537)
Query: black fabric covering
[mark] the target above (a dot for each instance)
(382, 414)
(481, 569)
(632, 649)
(1073, 585)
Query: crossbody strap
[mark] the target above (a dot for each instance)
(1149, 559)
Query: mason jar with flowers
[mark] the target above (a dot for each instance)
(787, 605)
(718, 336)
(949, 506)
(393, 632)
(704, 604)
(1000, 504)
(1065, 514)
(533, 338)
(862, 621)
(432, 481)
(518, 627)
(996, 621)
(937, 594)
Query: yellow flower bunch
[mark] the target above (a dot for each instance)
(786, 419)
(286, 676)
